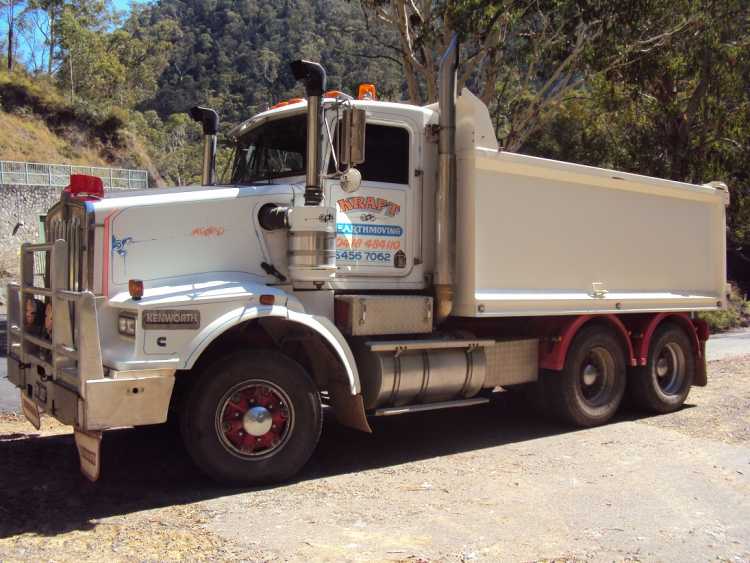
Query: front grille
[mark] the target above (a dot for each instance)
(67, 221)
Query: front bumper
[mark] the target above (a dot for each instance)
(62, 372)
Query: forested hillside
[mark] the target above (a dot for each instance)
(650, 86)
(235, 54)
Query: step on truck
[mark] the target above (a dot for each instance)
(370, 257)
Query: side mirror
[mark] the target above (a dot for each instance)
(351, 180)
(352, 137)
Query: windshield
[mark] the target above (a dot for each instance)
(271, 150)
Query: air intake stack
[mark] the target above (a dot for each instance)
(445, 197)
(209, 121)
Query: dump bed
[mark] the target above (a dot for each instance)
(541, 237)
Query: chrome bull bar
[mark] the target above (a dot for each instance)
(68, 357)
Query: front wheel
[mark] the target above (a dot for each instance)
(253, 417)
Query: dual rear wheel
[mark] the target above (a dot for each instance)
(591, 386)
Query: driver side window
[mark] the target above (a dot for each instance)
(386, 155)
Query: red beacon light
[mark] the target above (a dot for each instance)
(87, 188)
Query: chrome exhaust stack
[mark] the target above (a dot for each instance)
(445, 196)
(312, 227)
(209, 119)
(314, 77)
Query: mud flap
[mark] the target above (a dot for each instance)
(701, 370)
(31, 411)
(89, 446)
(349, 409)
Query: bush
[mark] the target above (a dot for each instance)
(735, 315)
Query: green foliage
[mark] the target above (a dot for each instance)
(681, 111)
(177, 144)
(107, 68)
(735, 315)
(234, 55)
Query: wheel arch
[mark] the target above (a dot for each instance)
(322, 350)
(267, 328)
(554, 351)
(644, 328)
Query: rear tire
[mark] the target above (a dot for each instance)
(591, 386)
(253, 417)
(663, 384)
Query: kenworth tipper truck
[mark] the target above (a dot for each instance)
(369, 257)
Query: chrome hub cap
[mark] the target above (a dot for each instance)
(254, 419)
(257, 421)
(597, 377)
(669, 369)
(662, 366)
(590, 374)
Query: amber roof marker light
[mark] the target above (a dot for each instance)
(366, 91)
(135, 288)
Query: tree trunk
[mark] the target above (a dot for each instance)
(51, 18)
(10, 44)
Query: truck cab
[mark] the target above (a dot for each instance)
(378, 228)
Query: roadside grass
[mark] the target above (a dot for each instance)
(40, 124)
(29, 139)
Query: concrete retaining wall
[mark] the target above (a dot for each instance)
(24, 204)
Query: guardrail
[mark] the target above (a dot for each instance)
(58, 175)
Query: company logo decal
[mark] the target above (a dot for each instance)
(372, 204)
(119, 245)
(166, 319)
(369, 230)
(210, 231)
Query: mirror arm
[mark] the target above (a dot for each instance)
(330, 142)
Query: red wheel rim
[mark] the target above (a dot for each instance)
(254, 419)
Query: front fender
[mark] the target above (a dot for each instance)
(254, 310)
(224, 301)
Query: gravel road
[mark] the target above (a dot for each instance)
(485, 483)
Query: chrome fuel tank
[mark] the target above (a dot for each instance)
(397, 373)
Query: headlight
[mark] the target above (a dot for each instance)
(126, 324)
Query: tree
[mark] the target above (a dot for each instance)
(523, 57)
(44, 22)
(13, 11)
(90, 70)
(681, 111)
(235, 55)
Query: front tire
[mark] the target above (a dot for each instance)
(663, 384)
(590, 387)
(253, 417)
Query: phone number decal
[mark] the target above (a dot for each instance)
(369, 244)
(360, 256)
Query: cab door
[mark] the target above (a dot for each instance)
(376, 232)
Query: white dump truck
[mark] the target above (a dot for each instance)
(369, 257)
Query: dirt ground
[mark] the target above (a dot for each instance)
(492, 483)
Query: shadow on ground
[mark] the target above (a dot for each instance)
(42, 491)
